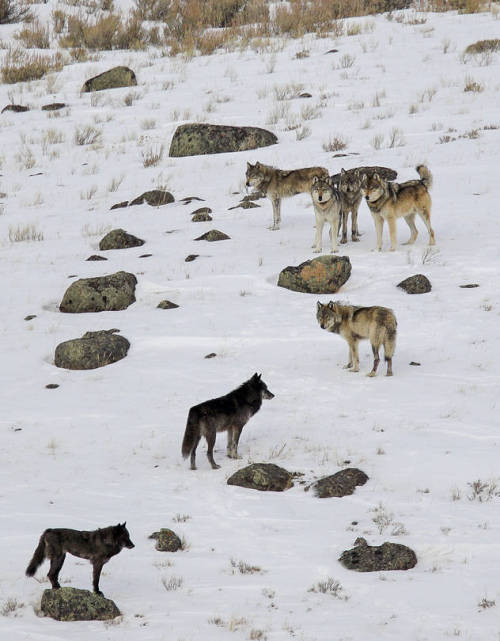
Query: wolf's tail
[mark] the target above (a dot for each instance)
(38, 557)
(425, 176)
(191, 434)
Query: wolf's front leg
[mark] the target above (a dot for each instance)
(276, 213)
(96, 574)
(333, 236)
(318, 236)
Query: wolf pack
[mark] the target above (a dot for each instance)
(334, 198)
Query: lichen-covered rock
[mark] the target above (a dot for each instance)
(92, 350)
(265, 477)
(384, 172)
(190, 257)
(201, 210)
(70, 604)
(111, 79)
(340, 484)
(119, 239)
(322, 275)
(376, 558)
(213, 235)
(201, 218)
(154, 198)
(417, 284)
(99, 294)
(166, 540)
(96, 257)
(244, 204)
(200, 138)
(167, 304)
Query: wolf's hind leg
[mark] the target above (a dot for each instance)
(210, 451)
(376, 360)
(56, 564)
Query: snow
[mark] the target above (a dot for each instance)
(104, 447)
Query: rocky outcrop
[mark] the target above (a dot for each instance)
(376, 558)
(340, 484)
(166, 540)
(70, 604)
(200, 138)
(213, 235)
(111, 79)
(92, 350)
(265, 477)
(119, 239)
(417, 284)
(322, 275)
(103, 293)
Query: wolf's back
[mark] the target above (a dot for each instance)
(191, 433)
(38, 557)
(425, 176)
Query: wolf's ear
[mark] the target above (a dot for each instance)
(259, 376)
(331, 305)
(124, 523)
(318, 306)
(257, 164)
(356, 172)
(315, 180)
(364, 179)
(376, 177)
(329, 181)
(249, 166)
(343, 172)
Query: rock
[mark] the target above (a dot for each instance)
(201, 210)
(213, 235)
(265, 477)
(145, 255)
(103, 293)
(187, 200)
(190, 258)
(384, 172)
(54, 106)
(52, 386)
(201, 218)
(70, 604)
(211, 355)
(322, 275)
(96, 257)
(166, 304)
(378, 558)
(124, 203)
(415, 364)
(305, 94)
(30, 317)
(342, 483)
(155, 198)
(417, 284)
(255, 195)
(166, 540)
(199, 138)
(111, 79)
(469, 286)
(93, 350)
(244, 204)
(16, 108)
(119, 239)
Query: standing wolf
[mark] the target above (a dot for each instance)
(378, 324)
(98, 546)
(280, 183)
(390, 200)
(226, 413)
(326, 201)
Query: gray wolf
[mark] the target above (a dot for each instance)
(326, 201)
(349, 185)
(388, 201)
(378, 324)
(228, 413)
(280, 183)
(98, 546)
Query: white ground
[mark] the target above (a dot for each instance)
(105, 445)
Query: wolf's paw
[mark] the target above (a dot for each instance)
(215, 467)
(355, 239)
(343, 241)
(334, 251)
(316, 251)
(371, 374)
(274, 227)
(348, 366)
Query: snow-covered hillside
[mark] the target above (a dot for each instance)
(104, 446)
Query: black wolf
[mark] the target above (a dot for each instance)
(98, 546)
(225, 413)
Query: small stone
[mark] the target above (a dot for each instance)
(201, 218)
(30, 317)
(211, 355)
(201, 210)
(166, 540)
(190, 258)
(469, 286)
(124, 203)
(213, 235)
(145, 255)
(305, 94)
(166, 304)
(154, 198)
(52, 386)
(15, 108)
(96, 257)
(414, 363)
(54, 106)
(417, 284)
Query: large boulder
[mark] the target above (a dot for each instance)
(199, 138)
(119, 239)
(100, 294)
(376, 558)
(265, 477)
(340, 484)
(166, 540)
(213, 235)
(322, 275)
(111, 79)
(417, 284)
(92, 350)
(70, 604)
